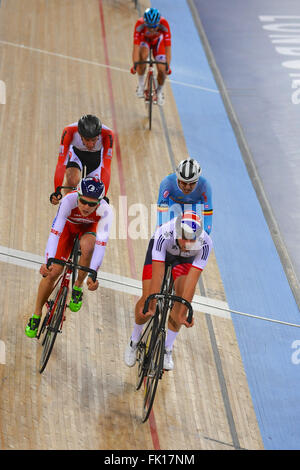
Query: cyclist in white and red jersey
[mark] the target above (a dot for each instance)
(84, 212)
(86, 143)
(183, 243)
(152, 32)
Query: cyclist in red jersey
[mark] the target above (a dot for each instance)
(152, 32)
(84, 212)
(84, 143)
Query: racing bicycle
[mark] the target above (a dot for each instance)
(57, 303)
(150, 85)
(151, 346)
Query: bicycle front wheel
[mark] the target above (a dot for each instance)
(75, 256)
(154, 373)
(52, 329)
(143, 348)
(150, 101)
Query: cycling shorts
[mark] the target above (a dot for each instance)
(68, 235)
(157, 46)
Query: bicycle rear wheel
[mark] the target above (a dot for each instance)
(51, 330)
(154, 373)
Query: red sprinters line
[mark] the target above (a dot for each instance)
(117, 143)
(152, 422)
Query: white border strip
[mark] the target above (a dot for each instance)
(113, 281)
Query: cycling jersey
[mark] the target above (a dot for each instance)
(165, 242)
(69, 221)
(156, 40)
(172, 201)
(163, 247)
(71, 141)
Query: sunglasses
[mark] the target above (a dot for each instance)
(85, 202)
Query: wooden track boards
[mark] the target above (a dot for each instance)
(53, 61)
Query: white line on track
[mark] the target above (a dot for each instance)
(113, 281)
(97, 64)
(2, 352)
(132, 286)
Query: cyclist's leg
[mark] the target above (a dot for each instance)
(73, 170)
(87, 245)
(143, 55)
(44, 291)
(140, 320)
(159, 53)
(146, 282)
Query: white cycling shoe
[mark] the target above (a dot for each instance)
(168, 360)
(160, 99)
(130, 354)
(140, 92)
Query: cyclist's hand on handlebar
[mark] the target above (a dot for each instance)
(145, 317)
(168, 69)
(44, 271)
(149, 314)
(133, 70)
(55, 198)
(183, 321)
(91, 284)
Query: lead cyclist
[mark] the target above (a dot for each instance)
(183, 243)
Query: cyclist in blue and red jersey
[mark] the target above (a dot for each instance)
(152, 32)
(185, 190)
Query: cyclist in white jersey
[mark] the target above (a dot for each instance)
(183, 243)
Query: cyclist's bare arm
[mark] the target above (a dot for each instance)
(188, 293)
(168, 55)
(135, 53)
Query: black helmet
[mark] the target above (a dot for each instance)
(89, 126)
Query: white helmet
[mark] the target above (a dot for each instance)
(188, 170)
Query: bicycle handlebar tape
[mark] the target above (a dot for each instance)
(55, 260)
(93, 275)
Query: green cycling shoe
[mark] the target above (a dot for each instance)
(32, 326)
(76, 299)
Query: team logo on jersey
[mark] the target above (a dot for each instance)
(166, 194)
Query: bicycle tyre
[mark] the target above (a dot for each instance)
(52, 330)
(154, 373)
(143, 348)
(150, 101)
(75, 256)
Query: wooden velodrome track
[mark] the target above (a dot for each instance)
(59, 60)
